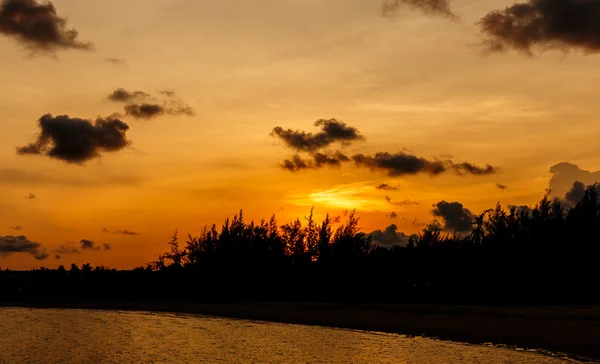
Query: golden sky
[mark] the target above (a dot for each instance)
(410, 82)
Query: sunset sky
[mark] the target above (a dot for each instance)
(409, 82)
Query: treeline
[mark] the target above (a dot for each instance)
(544, 255)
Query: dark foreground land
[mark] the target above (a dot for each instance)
(571, 330)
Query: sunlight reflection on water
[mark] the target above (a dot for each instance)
(85, 336)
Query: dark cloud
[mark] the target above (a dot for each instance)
(16, 228)
(501, 186)
(455, 216)
(38, 27)
(295, 164)
(105, 230)
(116, 61)
(429, 7)
(141, 105)
(576, 193)
(386, 187)
(407, 164)
(389, 237)
(84, 244)
(20, 244)
(393, 215)
(88, 245)
(398, 164)
(125, 232)
(406, 202)
(31, 196)
(393, 165)
(465, 168)
(65, 250)
(144, 110)
(318, 160)
(332, 131)
(75, 140)
(565, 174)
(544, 24)
(122, 95)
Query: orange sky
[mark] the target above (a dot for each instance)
(411, 82)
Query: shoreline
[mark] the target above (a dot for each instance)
(572, 330)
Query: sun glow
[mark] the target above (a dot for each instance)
(358, 196)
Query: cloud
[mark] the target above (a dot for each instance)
(20, 244)
(455, 216)
(501, 186)
(429, 7)
(406, 202)
(31, 196)
(16, 228)
(393, 215)
(144, 110)
(116, 61)
(393, 165)
(105, 230)
(122, 95)
(38, 27)
(125, 232)
(64, 250)
(468, 168)
(75, 140)
(141, 105)
(565, 174)
(543, 24)
(88, 245)
(335, 131)
(398, 164)
(318, 160)
(389, 237)
(576, 193)
(401, 164)
(332, 131)
(84, 244)
(386, 187)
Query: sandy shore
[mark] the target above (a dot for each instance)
(571, 330)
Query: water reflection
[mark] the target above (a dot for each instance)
(84, 336)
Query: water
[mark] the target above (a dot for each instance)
(85, 336)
